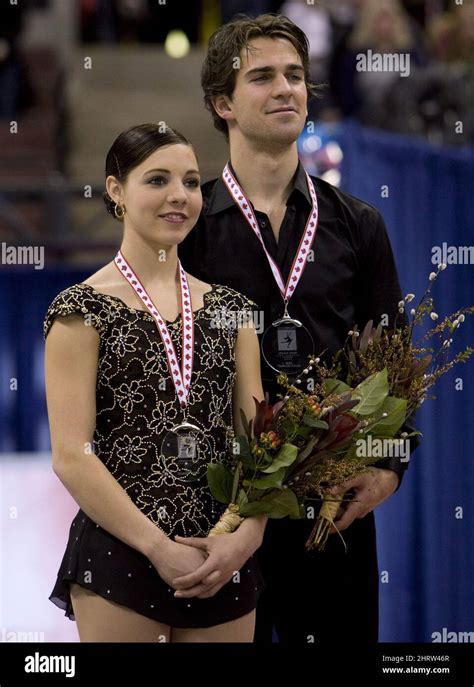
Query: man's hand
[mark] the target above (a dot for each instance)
(371, 488)
(226, 553)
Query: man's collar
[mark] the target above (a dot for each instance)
(300, 183)
(220, 198)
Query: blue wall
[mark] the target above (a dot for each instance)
(427, 552)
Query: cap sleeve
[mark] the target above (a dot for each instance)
(80, 300)
(242, 306)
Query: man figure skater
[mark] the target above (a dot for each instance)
(256, 84)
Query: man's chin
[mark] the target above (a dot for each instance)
(282, 135)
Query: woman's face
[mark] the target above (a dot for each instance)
(162, 196)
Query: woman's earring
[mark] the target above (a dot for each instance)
(119, 212)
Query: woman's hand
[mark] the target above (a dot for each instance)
(172, 560)
(225, 555)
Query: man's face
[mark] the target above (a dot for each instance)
(269, 100)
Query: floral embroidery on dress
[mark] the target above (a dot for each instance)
(136, 401)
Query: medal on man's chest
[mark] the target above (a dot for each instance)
(286, 343)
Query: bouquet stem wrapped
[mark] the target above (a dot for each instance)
(228, 522)
(325, 520)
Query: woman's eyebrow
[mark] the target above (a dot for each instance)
(167, 171)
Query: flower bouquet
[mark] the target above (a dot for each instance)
(312, 441)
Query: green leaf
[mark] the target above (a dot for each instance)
(220, 480)
(255, 508)
(284, 503)
(244, 446)
(302, 431)
(272, 481)
(301, 513)
(352, 361)
(244, 454)
(372, 393)
(277, 504)
(396, 414)
(235, 481)
(285, 456)
(314, 422)
(335, 386)
(304, 453)
(351, 453)
(268, 458)
(414, 434)
(242, 498)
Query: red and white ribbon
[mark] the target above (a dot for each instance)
(181, 377)
(299, 262)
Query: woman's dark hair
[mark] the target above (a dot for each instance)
(132, 147)
(219, 73)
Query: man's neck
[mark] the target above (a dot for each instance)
(265, 176)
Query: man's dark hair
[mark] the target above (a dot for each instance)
(218, 73)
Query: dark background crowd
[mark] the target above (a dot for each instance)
(438, 35)
(66, 114)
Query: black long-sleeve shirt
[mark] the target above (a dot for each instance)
(352, 278)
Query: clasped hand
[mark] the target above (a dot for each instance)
(200, 566)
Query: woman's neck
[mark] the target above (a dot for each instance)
(151, 262)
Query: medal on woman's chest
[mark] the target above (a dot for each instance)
(287, 343)
(187, 452)
(185, 448)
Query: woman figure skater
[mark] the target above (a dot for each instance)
(147, 369)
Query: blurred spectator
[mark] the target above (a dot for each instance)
(15, 90)
(465, 35)
(162, 19)
(229, 8)
(382, 27)
(132, 17)
(315, 22)
(437, 101)
(141, 21)
(441, 32)
(99, 20)
(451, 35)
